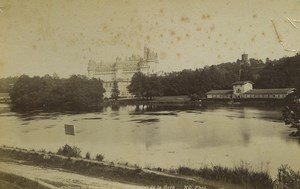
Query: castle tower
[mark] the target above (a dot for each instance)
(245, 58)
(243, 64)
(146, 53)
(91, 68)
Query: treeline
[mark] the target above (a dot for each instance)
(145, 86)
(282, 73)
(52, 93)
(80, 92)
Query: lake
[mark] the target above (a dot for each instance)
(165, 137)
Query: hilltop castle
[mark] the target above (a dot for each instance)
(122, 70)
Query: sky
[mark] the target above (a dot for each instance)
(39, 37)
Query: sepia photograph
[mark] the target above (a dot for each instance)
(152, 94)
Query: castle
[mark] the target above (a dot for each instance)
(122, 71)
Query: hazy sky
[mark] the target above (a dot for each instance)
(40, 37)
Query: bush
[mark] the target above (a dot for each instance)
(88, 155)
(99, 157)
(42, 150)
(69, 151)
(287, 178)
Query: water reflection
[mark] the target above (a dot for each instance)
(162, 136)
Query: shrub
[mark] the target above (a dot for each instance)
(42, 150)
(88, 155)
(287, 178)
(99, 157)
(69, 151)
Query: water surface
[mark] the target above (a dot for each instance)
(164, 137)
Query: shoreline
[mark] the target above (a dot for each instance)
(208, 178)
(101, 169)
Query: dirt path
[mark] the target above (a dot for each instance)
(54, 178)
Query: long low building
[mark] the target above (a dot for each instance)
(244, 90)
(4, 97)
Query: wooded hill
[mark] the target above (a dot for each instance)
(281, 73)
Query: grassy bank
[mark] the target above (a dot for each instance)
(99, 169)
(242, 176)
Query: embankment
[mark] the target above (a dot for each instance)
(104, 170)
(245, 102)
(203, 178)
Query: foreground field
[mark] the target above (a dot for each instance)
(56, 178)
(55, 171)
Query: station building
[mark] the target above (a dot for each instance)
(244, 89)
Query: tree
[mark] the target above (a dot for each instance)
(153, 87)
(137, 85)
(115, 92)
(145, 86)
(75, 93)
(28, 92)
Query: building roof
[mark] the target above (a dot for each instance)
(270, 91)
(220, 92)
(126, 65)
(242, 82)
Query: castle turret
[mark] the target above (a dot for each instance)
(91, 68)
(150, 56)
(146, 53)
(243, 64)
(245, 58)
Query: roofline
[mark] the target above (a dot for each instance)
(216, 91)
(242, 81)
(287, 90)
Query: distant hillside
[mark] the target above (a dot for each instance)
(284, 72)
(281, 73)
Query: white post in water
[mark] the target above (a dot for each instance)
(70, 130)
(74, 138)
